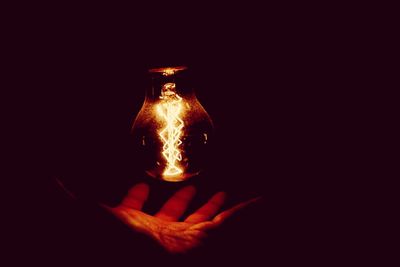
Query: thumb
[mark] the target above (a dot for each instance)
(223, 216)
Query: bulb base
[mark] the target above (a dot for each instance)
(172, 178)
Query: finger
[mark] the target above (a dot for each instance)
(208, 210)
(177, 204)
(204, 226)
(104, 206)
(220, 218)
(136, 197)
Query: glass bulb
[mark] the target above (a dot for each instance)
(172, 130)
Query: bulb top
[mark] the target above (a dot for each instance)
(168, 70)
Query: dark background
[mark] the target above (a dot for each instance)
(268, 79)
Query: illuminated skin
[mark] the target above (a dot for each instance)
(164, 227)
(170, 109)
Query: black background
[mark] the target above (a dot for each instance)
(266, 76)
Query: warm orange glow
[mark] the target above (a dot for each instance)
(168, 71)
(170, 109)
(165, 226)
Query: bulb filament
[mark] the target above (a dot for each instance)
(170, 109)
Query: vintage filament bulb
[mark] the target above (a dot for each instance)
(172, 130)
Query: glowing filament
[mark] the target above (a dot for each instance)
(169, 109)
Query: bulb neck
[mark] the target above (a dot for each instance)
(165, 80)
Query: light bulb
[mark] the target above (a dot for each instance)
(172, 130)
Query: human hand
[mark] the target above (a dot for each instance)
(164, 227)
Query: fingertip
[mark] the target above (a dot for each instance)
(222, 194)
(104, 206)
(141, 189)
(187, 192)
(191, 189)
(142, 186)
(255, 199)
(219, 197)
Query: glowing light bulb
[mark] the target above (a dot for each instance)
(170, 109)
(172, 130)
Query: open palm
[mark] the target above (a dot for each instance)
(165, 227)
